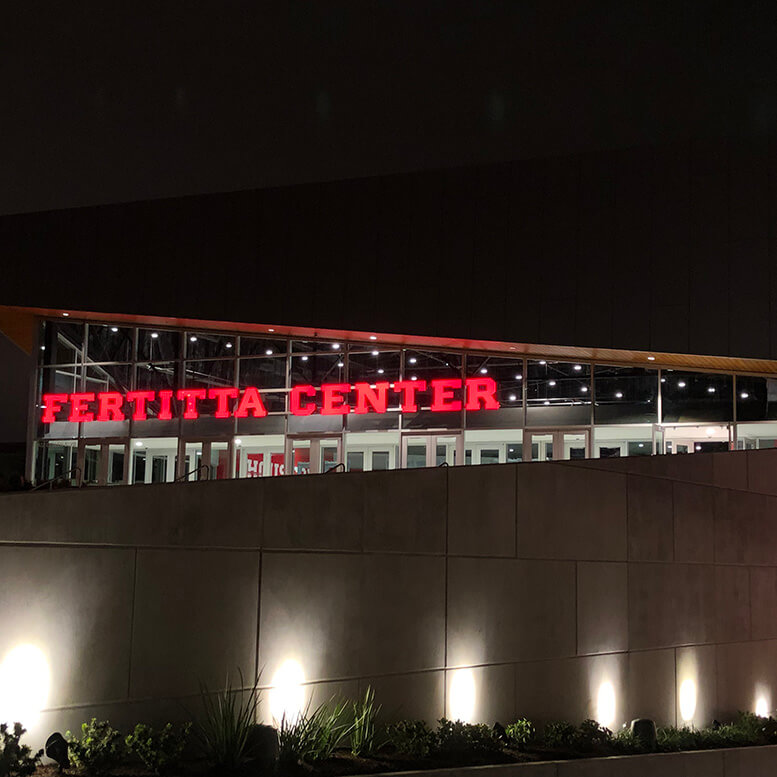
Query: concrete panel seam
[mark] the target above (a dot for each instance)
(132, 621)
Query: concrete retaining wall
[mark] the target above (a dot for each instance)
(549, 580)
(735, 762)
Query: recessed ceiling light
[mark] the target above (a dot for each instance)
(340, 364)
(335, 346)
(710, 389)
(698, 447)
(154, 335)
(578, 367)
(43, 348)
(642, 445)
(375, 353)
(380, 372)
(192, 339)
(663, 380)
(412, 360)
(66, 314)
(651, 358)
(551, 382)
(238, 441)
(546, 402)
(229, 345)
(373, 337)
(413, 377)
(304, 358)
(519, 377)
(584, 389)
(269, 352)
(483, 370)
(270, 329)
(138, 444)
(681, 384)
(618, 395)
(512, 397)
(114, 329)
(543, 362)
(744, 395)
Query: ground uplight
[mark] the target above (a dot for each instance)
(24, 684)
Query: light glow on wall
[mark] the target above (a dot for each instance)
(687, 700)
(462, 695)
(763, 700)
(605, 705)
(287, 694)
(24, 685)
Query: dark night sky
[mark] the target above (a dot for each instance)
(105, 102)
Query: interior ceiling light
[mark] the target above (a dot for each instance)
(192, 339)
(483, 370)
(651, 358)
(270, 329)
(618, 395)
(546, 402)
(578, 367)
(229, 345)
(340, 364)
(335, 346)
(513, 397)
(269, 352)
(412, 360)
(413, 377)
(681, 384)
(543, 362)
(154, 335)
(373, 337)
(380, 372)
(744, 395)
(551, 382)
(304, 358)
(114, 329)
(710, 389)
(584, 389)
(66, 314)
(375, 353)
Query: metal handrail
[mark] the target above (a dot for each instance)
(185, 476)
(335, 468)
(63, 476)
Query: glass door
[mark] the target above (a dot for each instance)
(556, 444)
(206, 460)
(313, 455)
(697, 439)
(432, 450)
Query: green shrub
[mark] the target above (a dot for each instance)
(625, 743)
(558, 735)
(412, 738)
(363, 730)
(228, 719)
(672, 740)
(16, 760)
(590, 737)
(456, 738)
(99, 749)
(521, 733)
(160, 751)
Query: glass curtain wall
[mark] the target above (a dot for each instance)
(548, 409)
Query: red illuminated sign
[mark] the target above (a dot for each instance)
(447, 394)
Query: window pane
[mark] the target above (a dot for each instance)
(756, 399)
(258, 346)
(428, 365)
(110, 343)
(558, 393)
(208, 345)
(315, 369)
(317, 346)
(625, 395)
(158, 345)
(373, 367)
(62, 343)
(263, 373)
(696, 396)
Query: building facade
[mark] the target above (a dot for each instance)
(119, 403)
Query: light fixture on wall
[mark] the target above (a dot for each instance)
(462, 696)
(762, 707)
(24, 684)
(687, 700)
(605, 705)
(287, 693)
